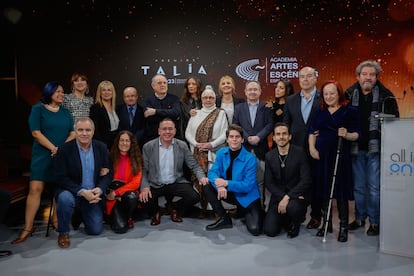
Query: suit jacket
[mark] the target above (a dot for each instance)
(100, 118)
(68, 167)
(151, 165)
(263, 125)
(293, 117)
(138, 123)
(298, 177)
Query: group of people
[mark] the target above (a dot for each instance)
(210, 147)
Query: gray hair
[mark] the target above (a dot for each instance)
(84, 119)
(208, 90)
(369, 63)
(156, 76)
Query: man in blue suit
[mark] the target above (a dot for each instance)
(131, 115)
(257, 122)
(83, 171)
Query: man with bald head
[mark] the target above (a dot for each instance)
(298, 115)
(131, 114)
(160, 105)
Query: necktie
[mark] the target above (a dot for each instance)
(131, 115)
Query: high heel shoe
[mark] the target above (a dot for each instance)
(24, 235)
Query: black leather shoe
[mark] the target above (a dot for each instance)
(221, 223)
(293, 231)
(5, 253)
(356, 224)
(343, 234)
(313, 223)
(373, 230)
(321, 231)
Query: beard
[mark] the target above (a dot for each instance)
(367, 86)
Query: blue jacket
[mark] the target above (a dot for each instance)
(244, 184)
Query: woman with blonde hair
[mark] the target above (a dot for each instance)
(227, 99)
(103, 113)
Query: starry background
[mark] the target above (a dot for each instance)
(112, 39)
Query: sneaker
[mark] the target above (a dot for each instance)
(373, 230)
(356, 224)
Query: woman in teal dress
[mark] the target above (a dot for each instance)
(51, 125)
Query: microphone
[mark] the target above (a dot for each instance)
(382, 114)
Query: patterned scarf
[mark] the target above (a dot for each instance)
(203, 135)
(374, 122)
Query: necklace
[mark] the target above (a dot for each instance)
(282, 161)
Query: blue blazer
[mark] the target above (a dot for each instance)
(244, 183)
(138, 123)
(68, 167)
(263, 125)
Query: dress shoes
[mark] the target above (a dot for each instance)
(221, 223)
(356, 224)
(5, 253)
(130, 223)
(175, 217)
(373, 230)
(63, 240)
(313, 223)
(24, 235)
(293, 231)
(156, 219)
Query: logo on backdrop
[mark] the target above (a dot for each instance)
(175, 70)
(271, 69)
(401, 163)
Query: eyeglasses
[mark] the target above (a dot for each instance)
(208, 97)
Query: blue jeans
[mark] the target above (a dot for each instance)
(366, 172)
(92, 214)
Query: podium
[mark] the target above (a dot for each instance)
(397, 187)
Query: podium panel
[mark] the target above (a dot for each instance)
(397, 187)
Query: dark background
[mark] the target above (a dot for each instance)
(49, 40)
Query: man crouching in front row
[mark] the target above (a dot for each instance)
(232, 178)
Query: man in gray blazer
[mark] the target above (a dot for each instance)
(162, 173)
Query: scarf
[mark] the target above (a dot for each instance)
(374, 122)
(203, 135)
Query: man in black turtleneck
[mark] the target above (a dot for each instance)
(232, 178)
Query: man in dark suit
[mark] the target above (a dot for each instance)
(83, 171)
(298, 115)
(257, 122)
(131, 115)
(163, 175)
(288, 178)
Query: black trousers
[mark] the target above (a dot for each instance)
(295, 214)
(188, 197)
(253, 213)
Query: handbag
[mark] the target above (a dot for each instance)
(115, 184)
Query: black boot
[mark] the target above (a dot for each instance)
(321, 231)
(343, 213)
